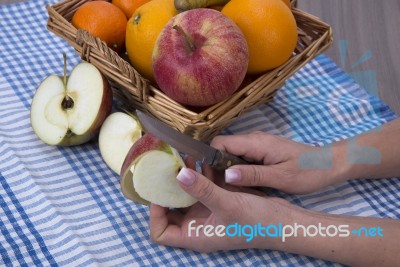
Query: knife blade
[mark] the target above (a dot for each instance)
(217, 159)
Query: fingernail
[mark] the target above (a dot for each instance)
(186, 177)
(232, 175)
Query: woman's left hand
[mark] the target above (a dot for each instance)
(198, 227)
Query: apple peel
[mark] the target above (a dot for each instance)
(149, 172)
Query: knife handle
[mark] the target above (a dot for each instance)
(224, 160)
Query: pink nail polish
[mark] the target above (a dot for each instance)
(186, 177)
(232, 175)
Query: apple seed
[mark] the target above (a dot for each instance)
(67, 103)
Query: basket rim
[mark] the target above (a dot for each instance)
(315, 36)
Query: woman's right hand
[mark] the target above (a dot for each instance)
(281, 163)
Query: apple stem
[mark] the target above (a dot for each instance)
(68, 133)
(67, 102)
(188, 39)
(65, 70)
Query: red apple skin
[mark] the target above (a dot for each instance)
(104, 111)
(207, 74)
(146, 143)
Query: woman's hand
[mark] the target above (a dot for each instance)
(216, 206)
(197, 227)
(281, 163)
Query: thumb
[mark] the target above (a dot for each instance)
(201, 188)
(253, 175)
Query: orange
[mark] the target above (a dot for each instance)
(269, 28)
(103, 20)
(129, 6)
(142, 31)
(287, 2)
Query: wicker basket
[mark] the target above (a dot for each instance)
(135, 92)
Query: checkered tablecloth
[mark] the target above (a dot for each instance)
(63, 206)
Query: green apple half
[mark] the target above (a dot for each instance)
(71, 111)
(117, 135)
(148, 174)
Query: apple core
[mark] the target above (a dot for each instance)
(67, 103)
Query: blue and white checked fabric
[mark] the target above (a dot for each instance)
(63, 206)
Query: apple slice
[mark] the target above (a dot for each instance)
(148, 174)
(71, 112)
(117, 135)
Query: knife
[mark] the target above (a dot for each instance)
(217, 159)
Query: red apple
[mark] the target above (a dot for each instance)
(148, 174)
(200, 57)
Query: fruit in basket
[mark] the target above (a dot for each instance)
(129, 6)
(183, 5)
(216, 7)
(142, 31)
(270, 30)
(71, 111)
(117, 134)
(103, 20)
(287, 2)
(148, 174)
(200, 58)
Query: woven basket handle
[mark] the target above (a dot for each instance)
(90, 45)
(87, 42)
